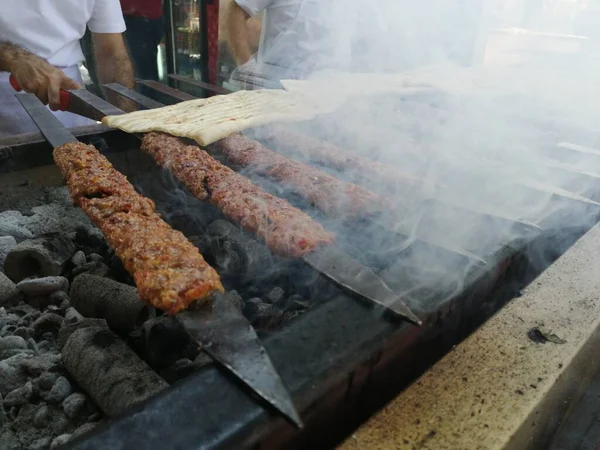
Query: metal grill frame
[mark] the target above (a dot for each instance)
(339, 361)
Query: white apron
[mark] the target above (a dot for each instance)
(14, 119)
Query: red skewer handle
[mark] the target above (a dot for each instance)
(64, 95)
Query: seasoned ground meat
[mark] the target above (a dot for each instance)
(101, 208)
(322, 152)
(285, 229)
(169, 271)
(94, 183)
(332, 196)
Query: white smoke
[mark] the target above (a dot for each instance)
(461, 94)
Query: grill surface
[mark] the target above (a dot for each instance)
(339, 361)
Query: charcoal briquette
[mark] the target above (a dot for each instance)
(85, 428)
(178, 370)
(275, 295)
(165, 341)
(222, 228)
(109, 370)
(69, 328)
(40, 444)
(19, 396)
(59, 441)
(8, 290)
(7, 243)
(47, 323)
(95, 257)
(40, 257)
(43, 286)
(119, 304)
(61, 389)
(45, 381)
(72, 315)
(74, 405)
(56, 298)
(252, 307)
(236, 299)
(78, 259)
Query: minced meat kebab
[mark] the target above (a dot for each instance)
(330, 195)
(168, 270)
(286, 230)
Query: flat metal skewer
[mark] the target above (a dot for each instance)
(338, 266)
(222, 330)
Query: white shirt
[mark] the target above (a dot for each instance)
(302, 35)
(51, 29)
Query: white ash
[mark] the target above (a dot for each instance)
(72, 316)
(12, 223)
(60, 440)
(24, 332)
(78, 259)
(41, 444)
(47, 323)
(58, 298)
(41, 404)
(45, 255)
(60, 390)
(275, 295)
(58, 215)
(11, 345)
(74, 405)
(7, 243)
(8, 290)
(43, 286)
(19, 396)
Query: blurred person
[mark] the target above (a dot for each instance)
(145, 30)
(39, 45)
(226, 61)
(300, 38)
(297, 38)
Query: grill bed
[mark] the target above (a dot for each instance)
(340, 361)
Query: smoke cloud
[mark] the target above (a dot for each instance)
(473, 98)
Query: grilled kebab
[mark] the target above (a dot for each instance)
(330, 195)
(286, 230)
(169, 271)
(323, 152)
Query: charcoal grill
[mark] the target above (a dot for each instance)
(340, 361)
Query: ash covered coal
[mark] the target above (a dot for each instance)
(41, 404)
(39, 399)
(67, 307)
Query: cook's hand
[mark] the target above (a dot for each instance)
(38, 77)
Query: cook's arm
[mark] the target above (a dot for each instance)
(238, 33)
(114, 66)
(34, 74)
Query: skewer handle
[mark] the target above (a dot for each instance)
(64, 95)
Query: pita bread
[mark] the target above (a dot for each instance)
(209, 119)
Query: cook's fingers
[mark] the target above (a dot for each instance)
(54, 93)
(42, 93)
(68, 83)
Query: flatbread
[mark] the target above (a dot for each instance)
(209, 119)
